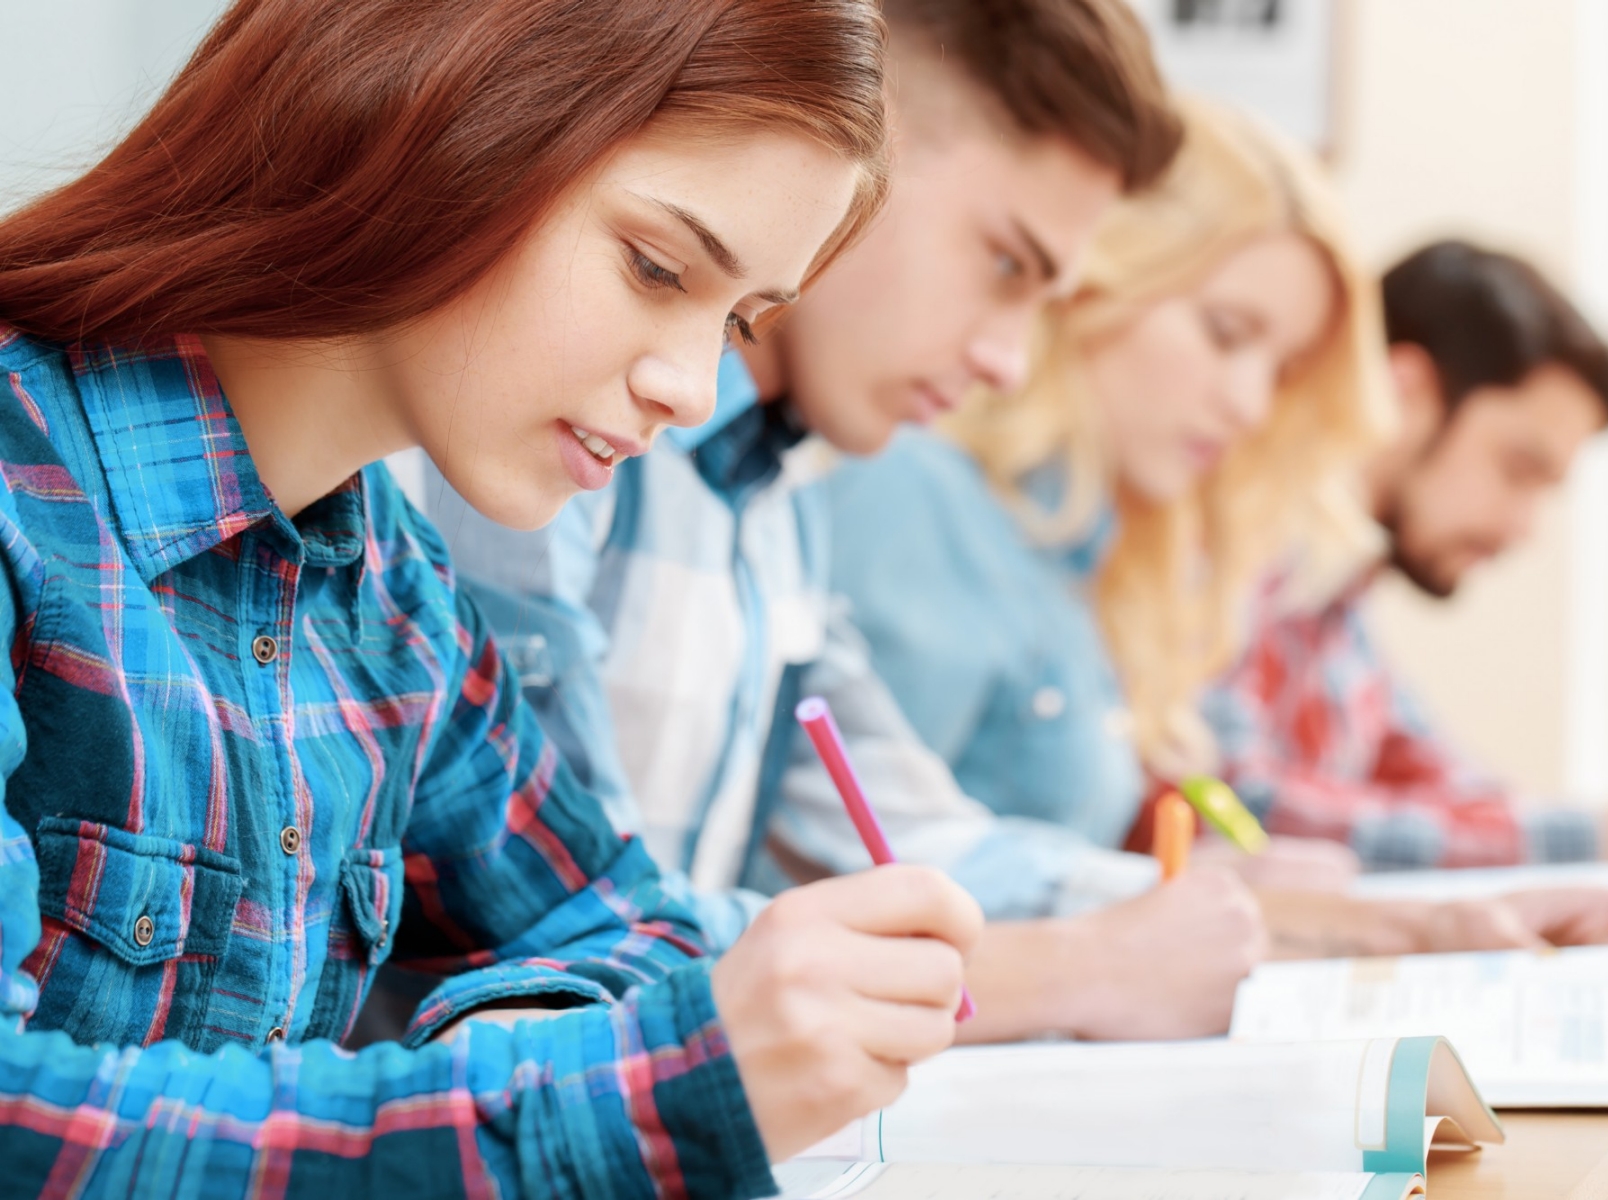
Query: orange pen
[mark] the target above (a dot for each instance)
(1175, 831)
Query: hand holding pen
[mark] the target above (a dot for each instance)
(816, 717)
(835, 989)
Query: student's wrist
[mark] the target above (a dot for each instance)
(1028, 978)
(1079, 994)
(1324, 925)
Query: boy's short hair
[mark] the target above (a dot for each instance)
(1078, 69)
(1488, 319)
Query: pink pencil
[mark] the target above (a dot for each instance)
(816, 717)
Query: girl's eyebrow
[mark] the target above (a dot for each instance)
(1049, 269)
(719, 253)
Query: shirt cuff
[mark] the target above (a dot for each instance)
(460, 995)
(1024, 869)
(1555, 835)
(704, 1108)
(726, 916)
(723, 916)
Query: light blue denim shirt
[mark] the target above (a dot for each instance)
(989, 643)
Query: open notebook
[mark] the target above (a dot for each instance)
(1471, 882)
(1531, 1027)
(1173, 1121)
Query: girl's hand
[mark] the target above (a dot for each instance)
(835, 989)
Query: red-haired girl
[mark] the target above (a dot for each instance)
(255, 742)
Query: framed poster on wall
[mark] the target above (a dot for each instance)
(1274, 57)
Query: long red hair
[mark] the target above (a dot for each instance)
(322, 168)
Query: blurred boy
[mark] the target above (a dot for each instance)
(1501, 383)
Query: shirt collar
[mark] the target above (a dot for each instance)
(177, 469)
(1047, 487)
(744, 453)
(735, 394)
(1088, 553)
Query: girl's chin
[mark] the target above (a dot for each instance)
(1158, 488)
(542, 510)
(521, 508)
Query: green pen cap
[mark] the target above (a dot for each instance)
(1225, 812)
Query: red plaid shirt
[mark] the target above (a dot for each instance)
(1321, 740)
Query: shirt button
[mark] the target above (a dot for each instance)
(264, 649)
(1049, 703)
(144, 931)
(1118, 724)
(290, 839)
(276, 1034)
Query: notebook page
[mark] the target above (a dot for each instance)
(1472, 882)
(937, 1181)
(1531, 1028)
(1211, 1104)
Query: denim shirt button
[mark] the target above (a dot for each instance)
(264, 649)
(1117, 724)
(290, 839)
(1049, 703)
(144, 931)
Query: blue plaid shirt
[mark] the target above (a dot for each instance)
(246, 760)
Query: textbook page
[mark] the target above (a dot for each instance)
(1532, 1028)
(946, 1181)
(1473, 882)
(1320, 1106)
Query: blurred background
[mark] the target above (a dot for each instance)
(1486, 118)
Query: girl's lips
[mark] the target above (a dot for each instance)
(585, 469)
(1203, 452)
(931, 404)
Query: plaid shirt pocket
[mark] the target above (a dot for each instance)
(361, 934)
(134, 929)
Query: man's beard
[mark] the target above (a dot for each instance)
(1417, 569)
(1423, 570)
(1420, 572)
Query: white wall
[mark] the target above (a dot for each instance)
(77, 73)
(1465, 116)
(1586, 764)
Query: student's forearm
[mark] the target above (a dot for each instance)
(1162, 965)
(394, 1123)
(1024, 978)
(1324, 925)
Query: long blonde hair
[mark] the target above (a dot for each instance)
(1174, 590)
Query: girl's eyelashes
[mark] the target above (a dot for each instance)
(1226, 331)
(743, 330)
(650, 273)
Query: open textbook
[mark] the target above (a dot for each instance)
(973, 1181)
(1532, 1027)
(1469, 883)
(1169, 1121)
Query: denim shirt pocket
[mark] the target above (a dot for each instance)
(135, 929)
(362, 931)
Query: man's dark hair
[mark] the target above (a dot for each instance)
(1078, 69)
(1488, 319)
